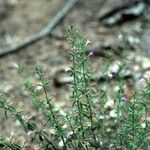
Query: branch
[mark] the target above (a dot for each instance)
(100, 77)
(119, 7)
(103, 49)
(43, 33)
(122, 13)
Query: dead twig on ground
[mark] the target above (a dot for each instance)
(100, 77)
(103, 50)
(47, 31)
(122, 13)
(120, 7)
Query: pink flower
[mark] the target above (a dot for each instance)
(91, 54)
(66, 69)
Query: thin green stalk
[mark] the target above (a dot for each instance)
(50, 107)
(75, 95)
(86, 86)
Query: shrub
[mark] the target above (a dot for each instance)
(88, 125)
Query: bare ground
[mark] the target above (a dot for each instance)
(21, 18)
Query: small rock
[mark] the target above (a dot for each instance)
(146, 75)
(8, 88)
(140, 84)
(133, 40)
(102, 12)
(146, 63)
(114, 68)
(102, 30)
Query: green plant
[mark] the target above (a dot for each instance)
(88, 124)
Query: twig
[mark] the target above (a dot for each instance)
(100, 50)
(41, 34)
(103, 49)
(118, 8)
(113, 11)
(101, 77)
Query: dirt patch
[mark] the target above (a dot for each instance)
(21, 18)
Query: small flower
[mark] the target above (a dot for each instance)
(111, 145)
(110, 75)
(101, 117)
(30, 133)
(115, 68)
(63, 113)
(66, 69)
(74, 48)
(90, 54)
(12, 133)
(113, 114)
(15, 65)
(124, 99)
(120, 36)
(38, 88)
(65, 126)
(143, 125)
(88, 42)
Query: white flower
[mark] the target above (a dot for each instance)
(120, 36)
(74, 48)
(88, 42)
(110, 75)
(124, 99)
(113, 114)
(12, 133)
(101, 117)
(38, 88)
(143, 125)
(30, 133)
